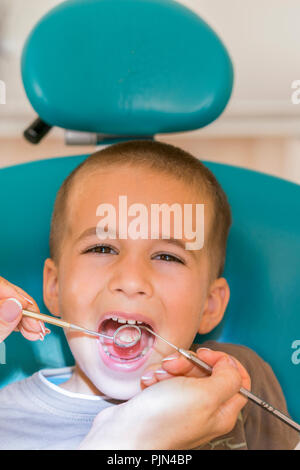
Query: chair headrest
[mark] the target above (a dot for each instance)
(126, 67)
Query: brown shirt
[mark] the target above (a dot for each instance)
(256, 428)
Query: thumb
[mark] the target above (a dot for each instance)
(10, 316)
(225, 379)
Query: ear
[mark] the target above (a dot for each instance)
(215, 305)
(50, 287)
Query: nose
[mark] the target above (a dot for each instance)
(132, 278)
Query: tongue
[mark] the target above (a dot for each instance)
(127, 335)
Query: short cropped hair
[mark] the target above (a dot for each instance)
(159, 157)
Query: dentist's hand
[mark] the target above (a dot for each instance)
(12, 300)
(176, 364)
(180, 413)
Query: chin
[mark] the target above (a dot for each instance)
(111, 381)
(118, 389)
(117, 384)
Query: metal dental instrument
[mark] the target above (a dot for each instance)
(64, 324)
(243, 391)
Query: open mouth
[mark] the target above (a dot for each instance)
(129, 358)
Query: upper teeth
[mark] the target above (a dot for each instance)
(122, 320)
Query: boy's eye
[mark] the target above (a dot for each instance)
(106, 249)
(171, 258)
(102, 249)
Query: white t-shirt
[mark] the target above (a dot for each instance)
(35, 413)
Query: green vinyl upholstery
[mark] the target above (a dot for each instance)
(126, 67)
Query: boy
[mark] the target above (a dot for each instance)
(102, 283)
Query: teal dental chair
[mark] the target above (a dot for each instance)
(113, 70)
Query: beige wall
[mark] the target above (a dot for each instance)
(276, 156)
(262, 36)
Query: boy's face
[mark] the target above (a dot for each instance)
(133, 278)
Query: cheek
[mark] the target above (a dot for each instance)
(83, 347)
(77, 291)
(184, 300)
(182, 291)
(85, 352)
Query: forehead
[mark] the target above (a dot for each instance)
(140, 185)
(147, 184)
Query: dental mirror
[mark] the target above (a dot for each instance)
(127, 336)
(121, 338)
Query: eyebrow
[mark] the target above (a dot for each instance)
(172, 241)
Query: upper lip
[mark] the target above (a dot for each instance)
(127, 316)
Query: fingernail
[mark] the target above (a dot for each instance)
(170, 358)
(147, 376)
(42, 327)
(48, 331)
(28, 300)
(10, 309)
(232, 362)
(227, 360)
(161, 371)
(206, 349)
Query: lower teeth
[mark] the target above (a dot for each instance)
(118, 359)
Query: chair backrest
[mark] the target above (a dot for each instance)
(126, 67)
(262, 266)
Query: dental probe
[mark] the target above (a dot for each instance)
(64, 324)
(243, 391)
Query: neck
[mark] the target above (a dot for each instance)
(79, 383)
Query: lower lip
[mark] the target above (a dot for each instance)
(124, 366)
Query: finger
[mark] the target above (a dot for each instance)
(225, 380)
(222, 388)
(148, 378)
(213, 392)
(33, 329)
(212, 357)
(31, 336)
(154, 373)
(7, 289)
(227, 414)
(32, 325)
(10, 314)
(162, 374)
(177, 364)
(234, 405)
(151, 377)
